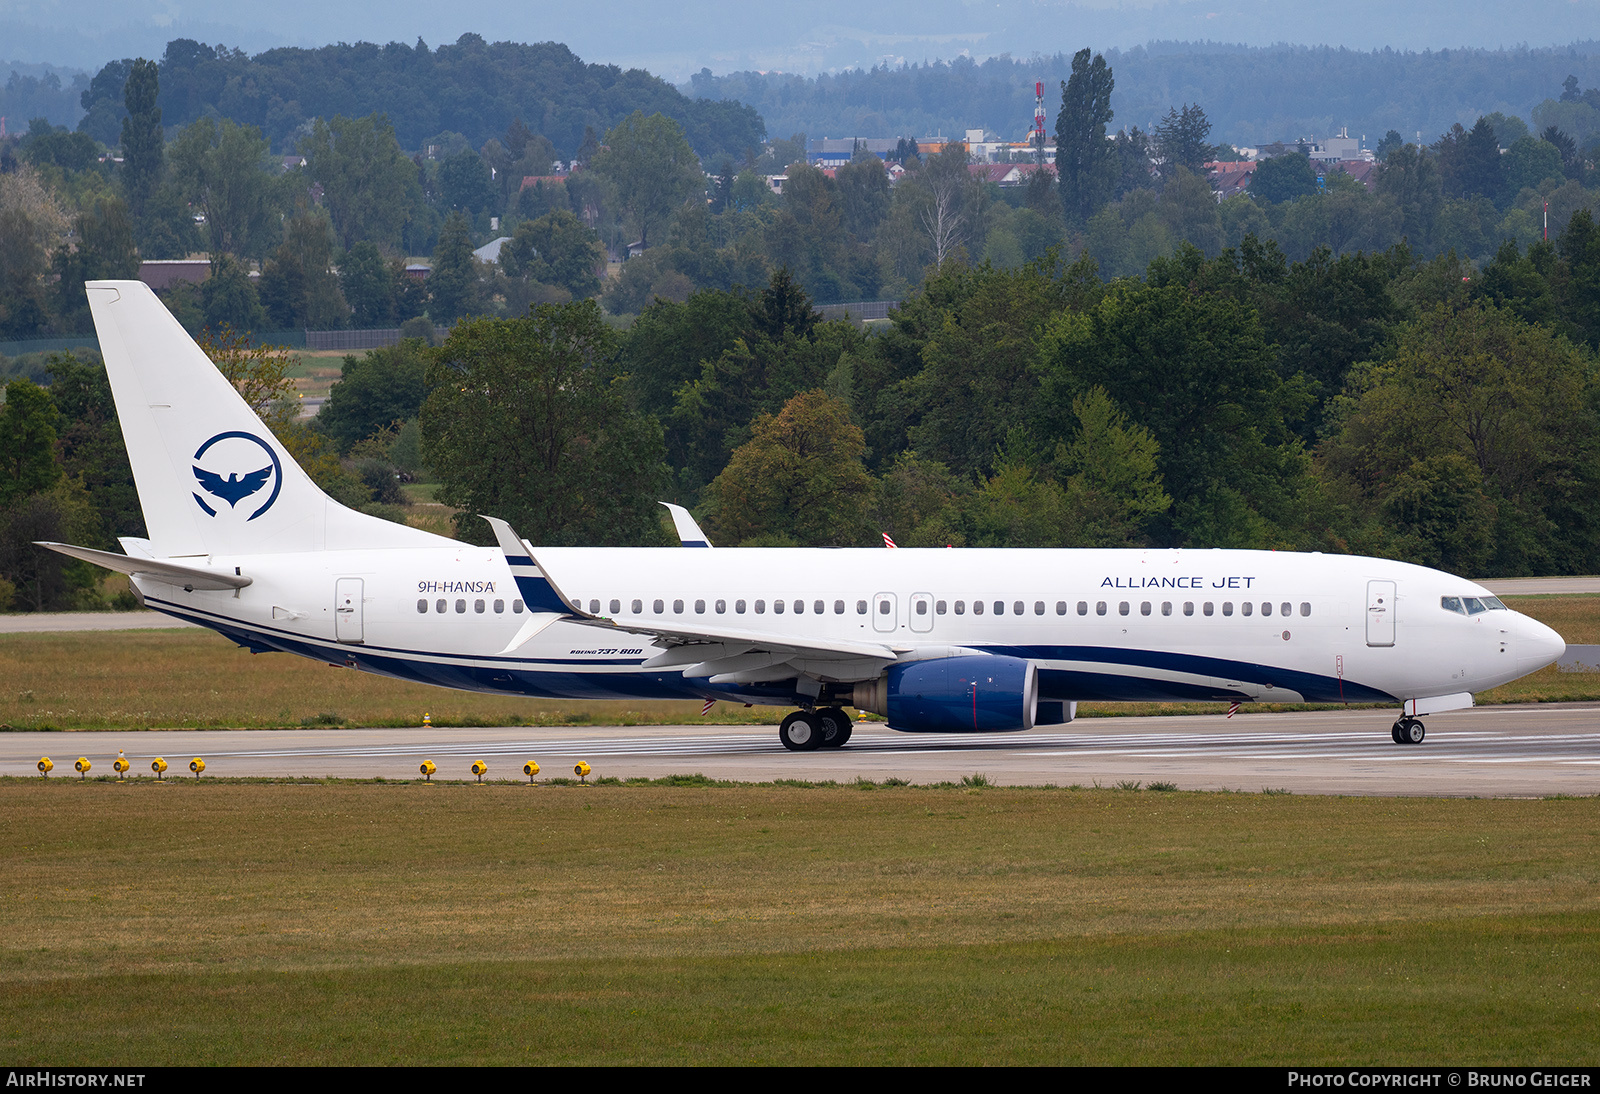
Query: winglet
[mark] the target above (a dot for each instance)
(538, 591)
(689, 533)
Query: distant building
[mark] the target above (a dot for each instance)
(1230, 178)
(490, 251)
(163, 273)
(1342, 148)
(1363, 171)
(831, 152)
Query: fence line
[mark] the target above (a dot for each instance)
(869, 309)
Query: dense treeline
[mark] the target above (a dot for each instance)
(1254, 95)
(471, 88)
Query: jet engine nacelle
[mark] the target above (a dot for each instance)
(968, 694)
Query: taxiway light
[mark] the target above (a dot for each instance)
(81, 765)
(480, 768)
(120, 764)
(530, 769)
(581, 769)
(427, 768)
(427, 720)
(46, 766)
(158, 765)
(197, 765)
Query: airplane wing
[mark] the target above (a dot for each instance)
(725, 654)
(172, 573)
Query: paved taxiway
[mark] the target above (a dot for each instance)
(1489, 751)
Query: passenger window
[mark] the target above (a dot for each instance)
(999, 607)
(1038, 607)
(738, 607)
(516, 607)
(1305, 607)
(861, 607)
(922, 607)
(761, 607)
(478, 606)
(594, 607)
(1061, 607)
(838, 607)
(799, 607)
(883, 607)
(1016, 609)
(1083, 607)
(1245, 609)
(616, 607)
(500, 607)
(1286, 609)
(422, 607)
(939, 608)
(819, 607)
(439, 606)
(677, 607)
(777, 607)
(961, 607)
(461, 607)
(1100, 607)
(977, 607)
(1166, 607)
(638, 606)
(1227, 607)
(699, 607)
(659, 607)
(1144, 608)
(722, 607)
(1266, 608)
(1122, 608)
(1188, 607)
(1207, 608)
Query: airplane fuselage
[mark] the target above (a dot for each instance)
(1112, 625)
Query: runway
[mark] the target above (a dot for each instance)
(1502, 751)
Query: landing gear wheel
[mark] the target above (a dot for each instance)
(835, 726)
(800, 732)
(1411, 731)
(1395, 733)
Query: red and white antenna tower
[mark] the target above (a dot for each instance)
(1038, 122)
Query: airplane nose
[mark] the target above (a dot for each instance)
(1537, 645)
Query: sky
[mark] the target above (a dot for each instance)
(674, 40)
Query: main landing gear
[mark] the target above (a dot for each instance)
(1408, 731)
(805, 730)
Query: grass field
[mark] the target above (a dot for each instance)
(197, 679)
(400, 923)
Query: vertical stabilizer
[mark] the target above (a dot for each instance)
(212, 478)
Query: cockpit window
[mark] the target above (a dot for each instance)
(1494, 605)
(1474, 605)
(1452, 604)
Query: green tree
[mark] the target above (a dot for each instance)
(1180, 139)
(372, 392)
(1086, 162)
(520, 423)
(1113, 476)
(368, 284)
(1475, 446)
(369, 187)
(229, 299)
(453, 282)
(556, 249)
(142, 138)
(90, 444)
(28, 428)
(220, 168)
(652, 166)
(104, 250)
(1284, 178)
(798, 480)
(298, 286)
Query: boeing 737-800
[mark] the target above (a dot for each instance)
(242, 541)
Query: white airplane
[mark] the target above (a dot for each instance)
(242, 541)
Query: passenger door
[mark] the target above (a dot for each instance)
(1380, 613)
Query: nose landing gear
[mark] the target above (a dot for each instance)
(1408, 731)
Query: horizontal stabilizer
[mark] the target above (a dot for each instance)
(172, 573)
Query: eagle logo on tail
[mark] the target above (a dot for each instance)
(232, 489)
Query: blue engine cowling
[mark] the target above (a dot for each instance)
(968, 694)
